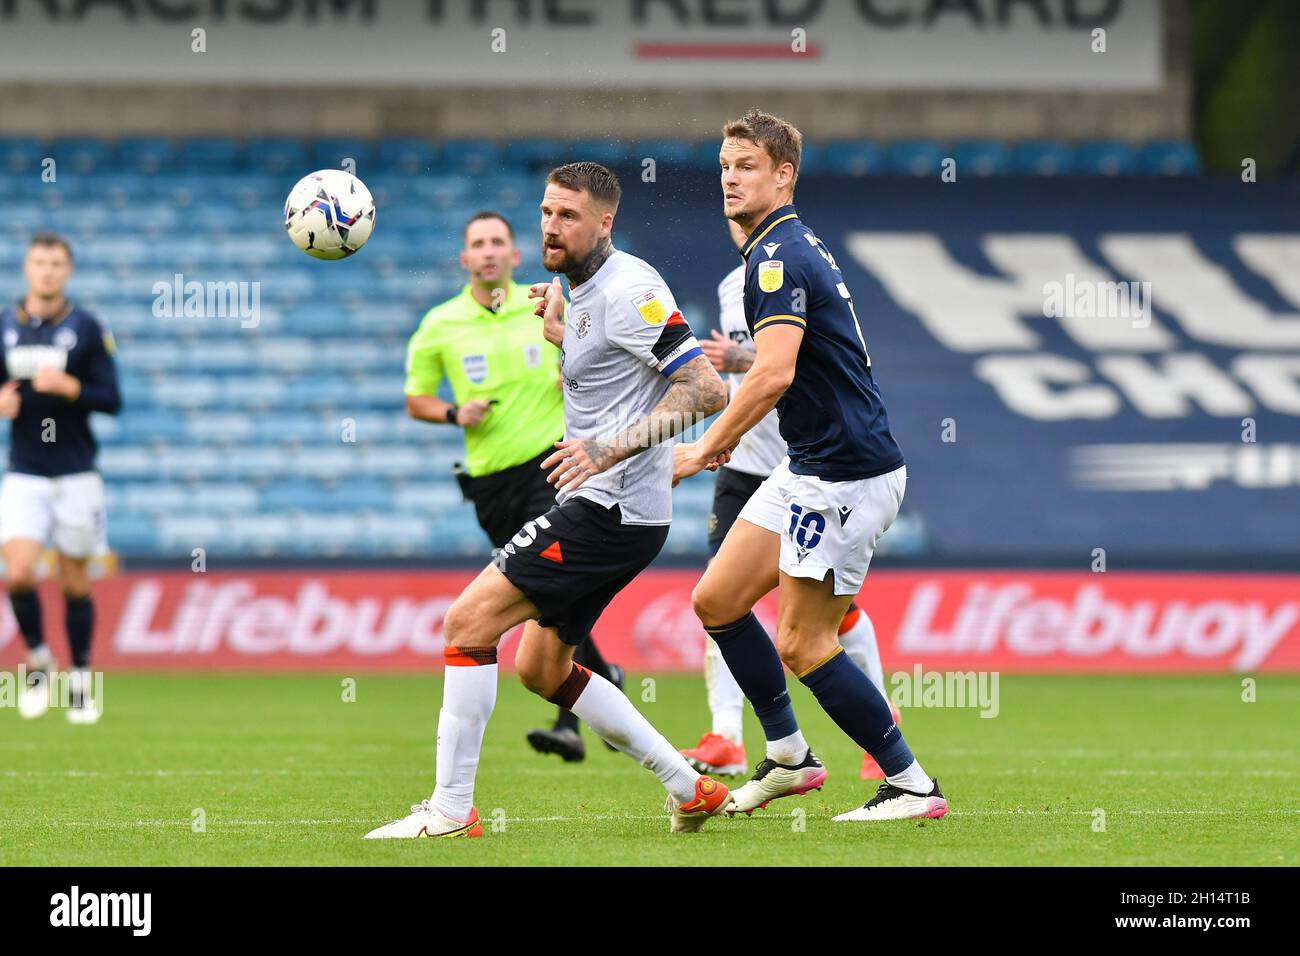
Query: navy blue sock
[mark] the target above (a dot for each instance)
(853, 702)
(753, 661)
(80, 623)
(27, 612)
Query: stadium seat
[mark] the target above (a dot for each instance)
(471, 156)
(22, 154)
(82, 155)
(854, 158)
(278, 156)
(407, 155)
(914, 158)
(1176, 158)
(209, 155)
(146, 155)
(1042, 158)
(982, 158)
(1106, 158)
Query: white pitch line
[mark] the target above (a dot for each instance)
(602, 817)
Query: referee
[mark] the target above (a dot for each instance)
(505, 378)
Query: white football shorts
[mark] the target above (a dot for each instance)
(826, 525)
(67, 512)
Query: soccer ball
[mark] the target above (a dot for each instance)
(329, 214)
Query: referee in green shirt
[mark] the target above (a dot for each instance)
(505, 378)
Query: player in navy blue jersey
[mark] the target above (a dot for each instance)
(811, 527)
(58, 362)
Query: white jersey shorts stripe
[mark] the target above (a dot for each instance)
(827, 525)
(67, 512)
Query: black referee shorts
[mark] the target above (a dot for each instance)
(505, 499)
(731, 490)
(571, 561)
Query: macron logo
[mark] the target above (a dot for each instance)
(770, 248)
(103, 909)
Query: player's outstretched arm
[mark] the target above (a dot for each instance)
(765, 382)
(695, 391)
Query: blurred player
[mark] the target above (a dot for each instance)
(58, 364)
(812, 526)
(505, 378)
(722, 750)
(634, 376)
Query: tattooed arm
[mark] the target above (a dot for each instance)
(694, 392)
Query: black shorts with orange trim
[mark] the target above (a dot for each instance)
(571, 561)
(731, 490)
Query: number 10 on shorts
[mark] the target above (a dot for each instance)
(806, 527)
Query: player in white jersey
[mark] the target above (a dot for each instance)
(722, 750)
(634, 377)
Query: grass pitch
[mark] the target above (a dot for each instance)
(281, 770)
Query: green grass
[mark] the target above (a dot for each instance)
(287, 773)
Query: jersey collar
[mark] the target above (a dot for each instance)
(23, 316)
(468, 293)
(775, 217)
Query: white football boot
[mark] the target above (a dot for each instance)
(895, 803)
(82, 707)
(773, 780)
(34, 698)
(425, 821)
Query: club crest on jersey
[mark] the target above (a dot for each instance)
(476, 368)
(583, 326)
(650, 308)
(533, 355)
(771, 275)
(65, 339)
(11, 338)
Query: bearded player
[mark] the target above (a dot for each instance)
(634, 376)
(811, 527)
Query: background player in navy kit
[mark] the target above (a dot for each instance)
(811, 527)
(58, 363)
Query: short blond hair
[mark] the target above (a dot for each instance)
(781, 141)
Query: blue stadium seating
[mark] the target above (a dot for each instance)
(284, 435)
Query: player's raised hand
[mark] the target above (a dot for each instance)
(715, 350)
(11, 402)
(550, 308)
(575, 460)
(473, 413)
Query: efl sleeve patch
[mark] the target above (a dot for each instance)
(771, 275)
(650, 307)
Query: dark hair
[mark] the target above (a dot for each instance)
(781, 140)
(592, 178)
(489, 214)
(50, 239)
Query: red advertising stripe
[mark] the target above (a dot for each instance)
(1011, 621)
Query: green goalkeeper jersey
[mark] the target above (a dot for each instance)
(489, 355)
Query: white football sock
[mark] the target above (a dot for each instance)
(788, 750)
(726, 699)
(859, 643)
(609, 713)
(468, 696)
(913, 778)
